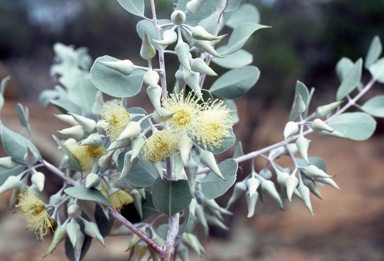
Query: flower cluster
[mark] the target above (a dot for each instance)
(206, 122)
(115, 117)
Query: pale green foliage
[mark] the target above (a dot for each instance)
(164, 161)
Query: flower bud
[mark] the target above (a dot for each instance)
(58, 236)
(30, 157)
(74, 211)
(251, 203)
(129, 163)
(147, 51)
(328, 108)
(161, 115)
(192, 79)
(206, 47)
(169, 37)
(92, 230)
(313, 171)
(154, 93)
(185, 144)
(137, 145)
(125, 67)
(199, 33)
(66, 118)
(76, 132)
(182, 51)
(193, 5)
(178, 17)
(319, 125)
(105, 161)
(88, 125)
(7, 162)
(207, 158)
(252, 184)
(118, 144)
(198, 65)
(11, 182)
(92, 180)
(303, 145)
(270, 188)
(291, 128)
(291, 184)
(93, 139)
(38, 179)
(238, 190)
(305, 196)
(299, 105)
(151, 78)
(179, 75)
(72, 229)
(132, 129)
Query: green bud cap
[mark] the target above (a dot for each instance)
(252, 185)
(66, 118)
(328, 108)
(132, 129)
(74, 211)
(92, 180)
(78, 248)
(291, 128)
(208, 159)
(129, 163)
(198, 65)
(192, 79)
(178, 17)
(105, 161)
(251, 203)
(185, 144)
(38, 179)
(312, 186)
(159, 168)
(12, 182)
(137, 145)
(154, 93)
(319, 125)
(179, 75)
(30, 157)
(178, 165)
(161, 115)
(206, 46)
(72, 229)
(313, 171)
(191, 169)
(199, 33)
(169, 37)
(328, 181)
(298, 105)
(125, 67)
(302, 144)
(183, 252)
(92, 230)
(88, 125)
(151, 78)
(282, 177)
(238, 190)
(270, 188)
(194, 243)
(147, 51)
(118, 144)
(58, 236)
(7, 162)
(93, 139)
(76, 132)
(291, 183)
(193, 6)
(182, 51)
(138, 199)
(305, 195)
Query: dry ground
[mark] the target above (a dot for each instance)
(347, 225)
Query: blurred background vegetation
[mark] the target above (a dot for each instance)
(307, 39)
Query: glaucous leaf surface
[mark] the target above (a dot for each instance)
(374, 52)
(237, 59)
(245, 14)
(350, 80)
(135, 7)
(374, 106)
(90, 194)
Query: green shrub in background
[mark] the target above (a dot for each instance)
(162, 163)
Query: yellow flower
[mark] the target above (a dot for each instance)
(35, 214)
(116, 117)
(185, 112)
(119, 199)
(214, 124)
(85, 154)
(160, 145)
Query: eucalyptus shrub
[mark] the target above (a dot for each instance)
(161, 164)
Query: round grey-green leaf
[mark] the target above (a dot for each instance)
(374, 106)
(234, 60)
(114, 83)
(170, 196)
(354, 125)
(246, 13)
(135, 7)
(235, 83)
(213, 186)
